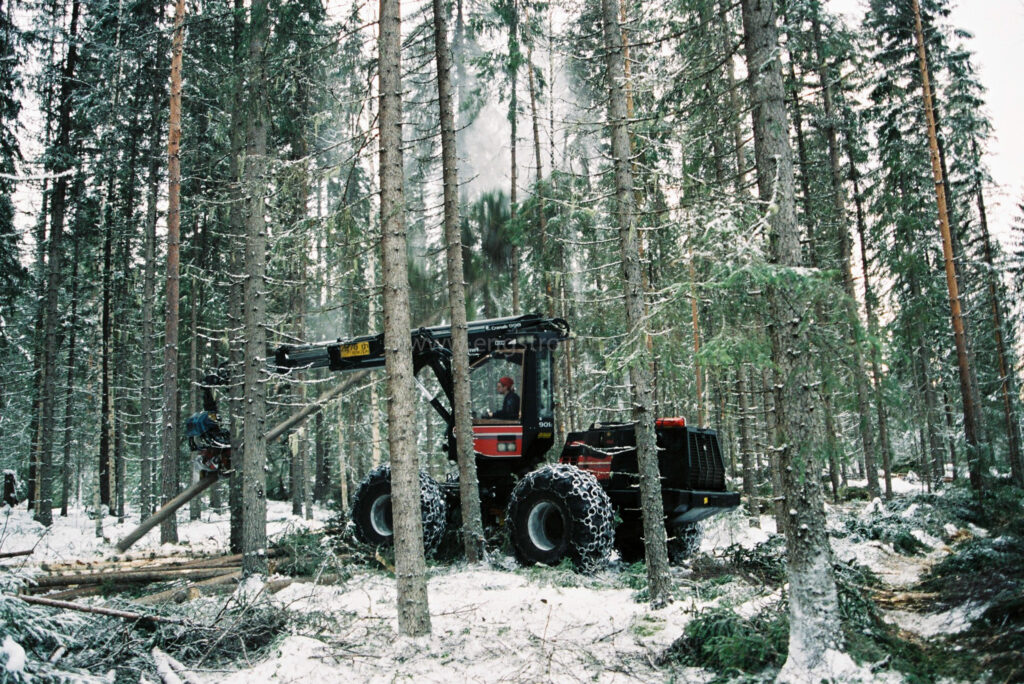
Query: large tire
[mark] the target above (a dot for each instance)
(560, 512)
(371, 510)
(684, 541)
(629, 541)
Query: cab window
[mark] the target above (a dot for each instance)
(489, 404)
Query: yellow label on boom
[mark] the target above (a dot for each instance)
(357, 349)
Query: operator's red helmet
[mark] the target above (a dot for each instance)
(506, 381)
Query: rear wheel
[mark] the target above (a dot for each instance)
(371, 510)
(629, 538)
(684, 541)
(560, 512)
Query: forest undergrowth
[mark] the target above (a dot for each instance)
(982, 568)
(732, 599)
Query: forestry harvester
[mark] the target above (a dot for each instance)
(576, 508)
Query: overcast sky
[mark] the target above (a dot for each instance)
(998, 29)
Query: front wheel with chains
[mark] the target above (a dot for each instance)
(558, 512)
(371, 510)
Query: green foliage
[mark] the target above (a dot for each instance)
(728, 644)
(766, 562)
(36, 629)
(309, 554)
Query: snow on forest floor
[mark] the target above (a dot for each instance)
(73, 538)
(491, 622)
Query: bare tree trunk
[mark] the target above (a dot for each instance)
(236, 344)
(542, 219)
(513, 118)
(146, 437)
(106, 391)
(343, 455)
(469, 490)
(749, 486)
(947, 405)
(195, 506)
(869, 311)
(375, 436)
(48, 385)
(971, 417)
(254, 500)
(69, 398)
(169, 424)
(321, 485)
(658, 579)
(814, 607)
(410, 567)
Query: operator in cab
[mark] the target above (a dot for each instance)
(510, 405)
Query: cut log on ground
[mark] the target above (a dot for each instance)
(99, 610)
(15, 554)
(43, 582)
(192, 591)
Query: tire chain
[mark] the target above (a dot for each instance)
(684, 541)
(432, 505)
(569, 481)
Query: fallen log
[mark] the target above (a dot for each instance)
(15, 554)
(898, 598)
(128, 576)
(150, 561)
(98, 610)
(87, 590)
(190, 591)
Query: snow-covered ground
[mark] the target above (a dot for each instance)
(73, 538)
(492, 622)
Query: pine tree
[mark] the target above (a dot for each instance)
(410, 568)
(640, 361)
(814, 608)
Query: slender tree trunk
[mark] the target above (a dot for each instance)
(869, 311)
(410, 567)
(169, 424)
(69, 398)
(195, 376)
(970, 409)
(321, 486)
(469, 490)
(106, 391)
(820, 254)
(658, 579)
(146, 437)
(855, 330)
(814, 608)
(947, 405)
(1006, 384)
(749, 485)
(542, 219)
(375, 434)
(54, 278)
(513, 118)
(254, 501)
(344, 450)
(236, 219)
